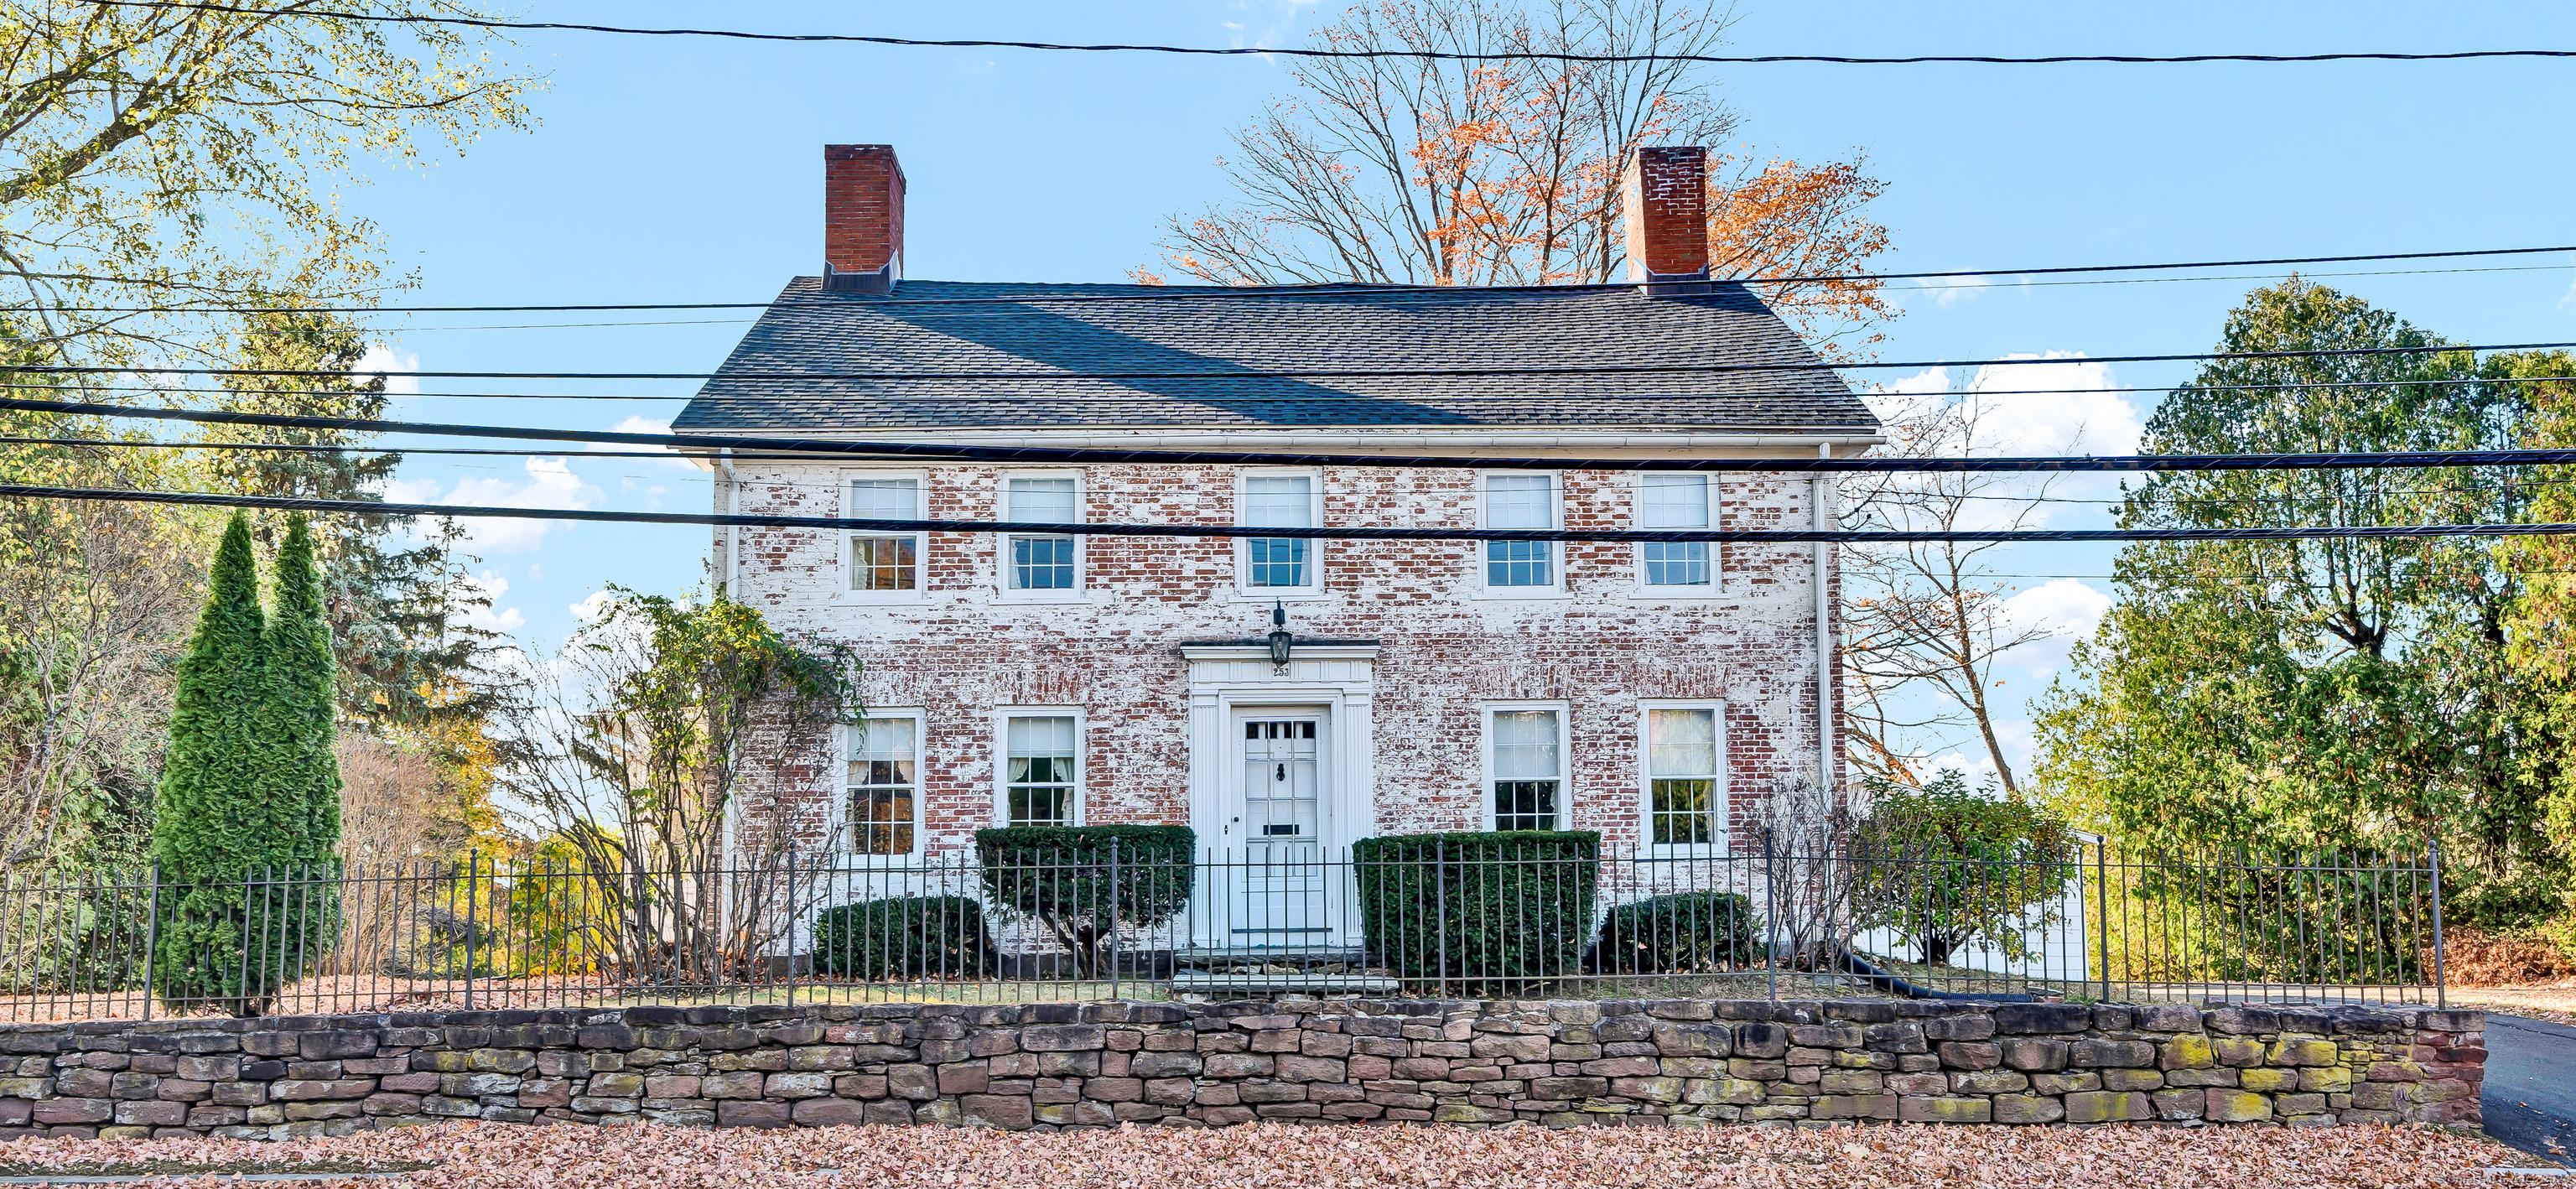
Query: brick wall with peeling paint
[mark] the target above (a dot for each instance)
(961, 650)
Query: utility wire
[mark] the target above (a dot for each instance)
(1255, 51)
(1276, 374)
(839, 398)
(865, 525)
(714, 444)
(1324, 289)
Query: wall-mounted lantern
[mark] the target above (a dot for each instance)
(1280, 640)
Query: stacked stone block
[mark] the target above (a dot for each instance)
(1046, 1066)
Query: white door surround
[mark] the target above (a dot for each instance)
(1336, 678)
(1329, 683)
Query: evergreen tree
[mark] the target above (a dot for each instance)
(302, 767)
(249, 795)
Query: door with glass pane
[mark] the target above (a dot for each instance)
(1274, 831)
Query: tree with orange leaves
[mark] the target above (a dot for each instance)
(1408, 170)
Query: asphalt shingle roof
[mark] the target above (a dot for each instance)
(810, 335)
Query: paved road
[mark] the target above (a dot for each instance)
(2530, 1099)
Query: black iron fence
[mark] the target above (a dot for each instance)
(1416, 916)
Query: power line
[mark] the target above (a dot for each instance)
(310, 448)
(1325, 289)
(865, 525)
(1501, 398)
(1428, 55)
(819, 448)
(1285, 373)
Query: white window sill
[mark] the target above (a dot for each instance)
(1279, 594)
(1040, 597)
(1702, 593)
(1682, 854)
(876, 598)
(1522, 593)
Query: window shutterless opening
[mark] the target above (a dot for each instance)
(1528, 766)
(1049, 562)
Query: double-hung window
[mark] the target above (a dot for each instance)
(884, 784)
(1041, 773)
(1682, 784)
(1520, 501)
(1279, 564)
(883, 563)
(1527, 749)
(1674, 501)
(1042, 563)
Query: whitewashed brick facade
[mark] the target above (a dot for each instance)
(1406, 721)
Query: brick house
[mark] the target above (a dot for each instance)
(1645, 691)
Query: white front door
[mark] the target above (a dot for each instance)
(1270, 870)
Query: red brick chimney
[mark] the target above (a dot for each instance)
(862, 218)
(1667, 213)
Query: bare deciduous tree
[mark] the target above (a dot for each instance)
(667, 746)
(1406, 170)
(1924, 622)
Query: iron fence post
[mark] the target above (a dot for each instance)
(1770, 919)
(789, 959)
(2102, 911)
(473, 868)
(151, 936)
(1440, 912)
(1112, 924)
(2441, 981)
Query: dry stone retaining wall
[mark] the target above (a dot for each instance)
(1018, 1066)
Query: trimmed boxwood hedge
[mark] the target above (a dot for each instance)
(1059, 876)
(1678, 933)
(904, 937)
(1490, 912)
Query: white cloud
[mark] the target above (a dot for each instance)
(2066, 607)
(381, 358)
(591, 607)
(550, 483)
(495, 618)
(2059, 407)
(2568, 303)
(1947, 291)
(646, 425)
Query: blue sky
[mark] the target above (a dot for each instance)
(682, 169)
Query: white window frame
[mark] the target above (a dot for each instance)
(920, 541)
(1718, 795)
(1556, 588)
(1313, 588)
(1002, 717)
(1564, 711)
(1716, 584)
(841, 822)
(1004, 568)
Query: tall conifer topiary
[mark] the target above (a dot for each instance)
(249, 795)
(302, 766)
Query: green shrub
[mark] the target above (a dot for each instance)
(1492, 912)
(904, 937)
(1945, 867)
(1060, 877)
(1679, 933)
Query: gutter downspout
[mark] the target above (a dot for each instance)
(1820, 493)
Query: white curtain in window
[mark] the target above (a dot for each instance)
(1525, 745)
(1681, 742)
(1672, 501)
(1041, 738)
(885, 499)
(1279, 501)
(1043, 501)
(882, 739)
(1519, 501)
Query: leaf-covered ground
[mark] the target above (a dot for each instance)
(1911, 1157)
